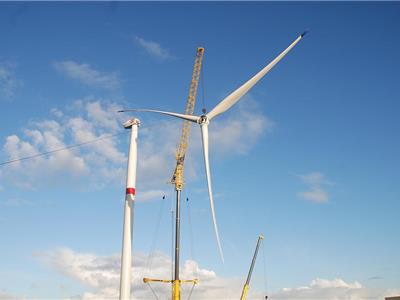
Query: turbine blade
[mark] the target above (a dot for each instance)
(181, 116)
(235, 96)
(204, 136)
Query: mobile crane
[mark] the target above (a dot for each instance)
(247, 284)
(177, 177)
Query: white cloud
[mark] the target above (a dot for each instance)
(240, 130)
(104, 162)
(82, 130)
(314, 178)
(103, 118)
(7, 296)
(101, 275)
(87, 75)
(316, 194)
(336, 289)
(56, 112)
(315, 182)
(8, 80)
(99, 163)
(153, 48)
(156, 154)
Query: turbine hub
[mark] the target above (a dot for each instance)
(203, 120)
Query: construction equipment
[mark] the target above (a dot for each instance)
(247, 284)
(177, 177)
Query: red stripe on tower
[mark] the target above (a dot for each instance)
(130, 191)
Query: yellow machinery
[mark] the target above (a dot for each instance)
(247, 284)
(177, 177)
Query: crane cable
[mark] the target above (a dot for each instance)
(265, 272)
(172, 237)
(192, 253)
(150, 257)
(152, 290)
(191, 291)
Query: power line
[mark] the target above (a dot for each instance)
(151, 125)
(61, 149)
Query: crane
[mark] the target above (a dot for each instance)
(247, 284)
(177, 177)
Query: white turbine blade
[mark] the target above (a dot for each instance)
(181, 116)
(235, 96)
(204, 136)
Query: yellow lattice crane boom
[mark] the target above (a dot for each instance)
(177, 177)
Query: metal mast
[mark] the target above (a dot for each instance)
(177, 177)
(247, 284)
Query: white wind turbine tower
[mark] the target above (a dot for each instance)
(126, 256)
(205, 119)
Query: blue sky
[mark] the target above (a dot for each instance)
(309, 157)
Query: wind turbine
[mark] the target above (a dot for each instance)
(205, 119)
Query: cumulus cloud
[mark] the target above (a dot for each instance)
(100, 274)
(240, 130)
(7, 296)
(100, 162)
(156, 156)
(87, 75)
(153, 48)
(336, 289)
(8, 81)
(103, 162)
(316, 183)
(93, 165)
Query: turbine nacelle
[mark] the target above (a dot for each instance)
(128, 124)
